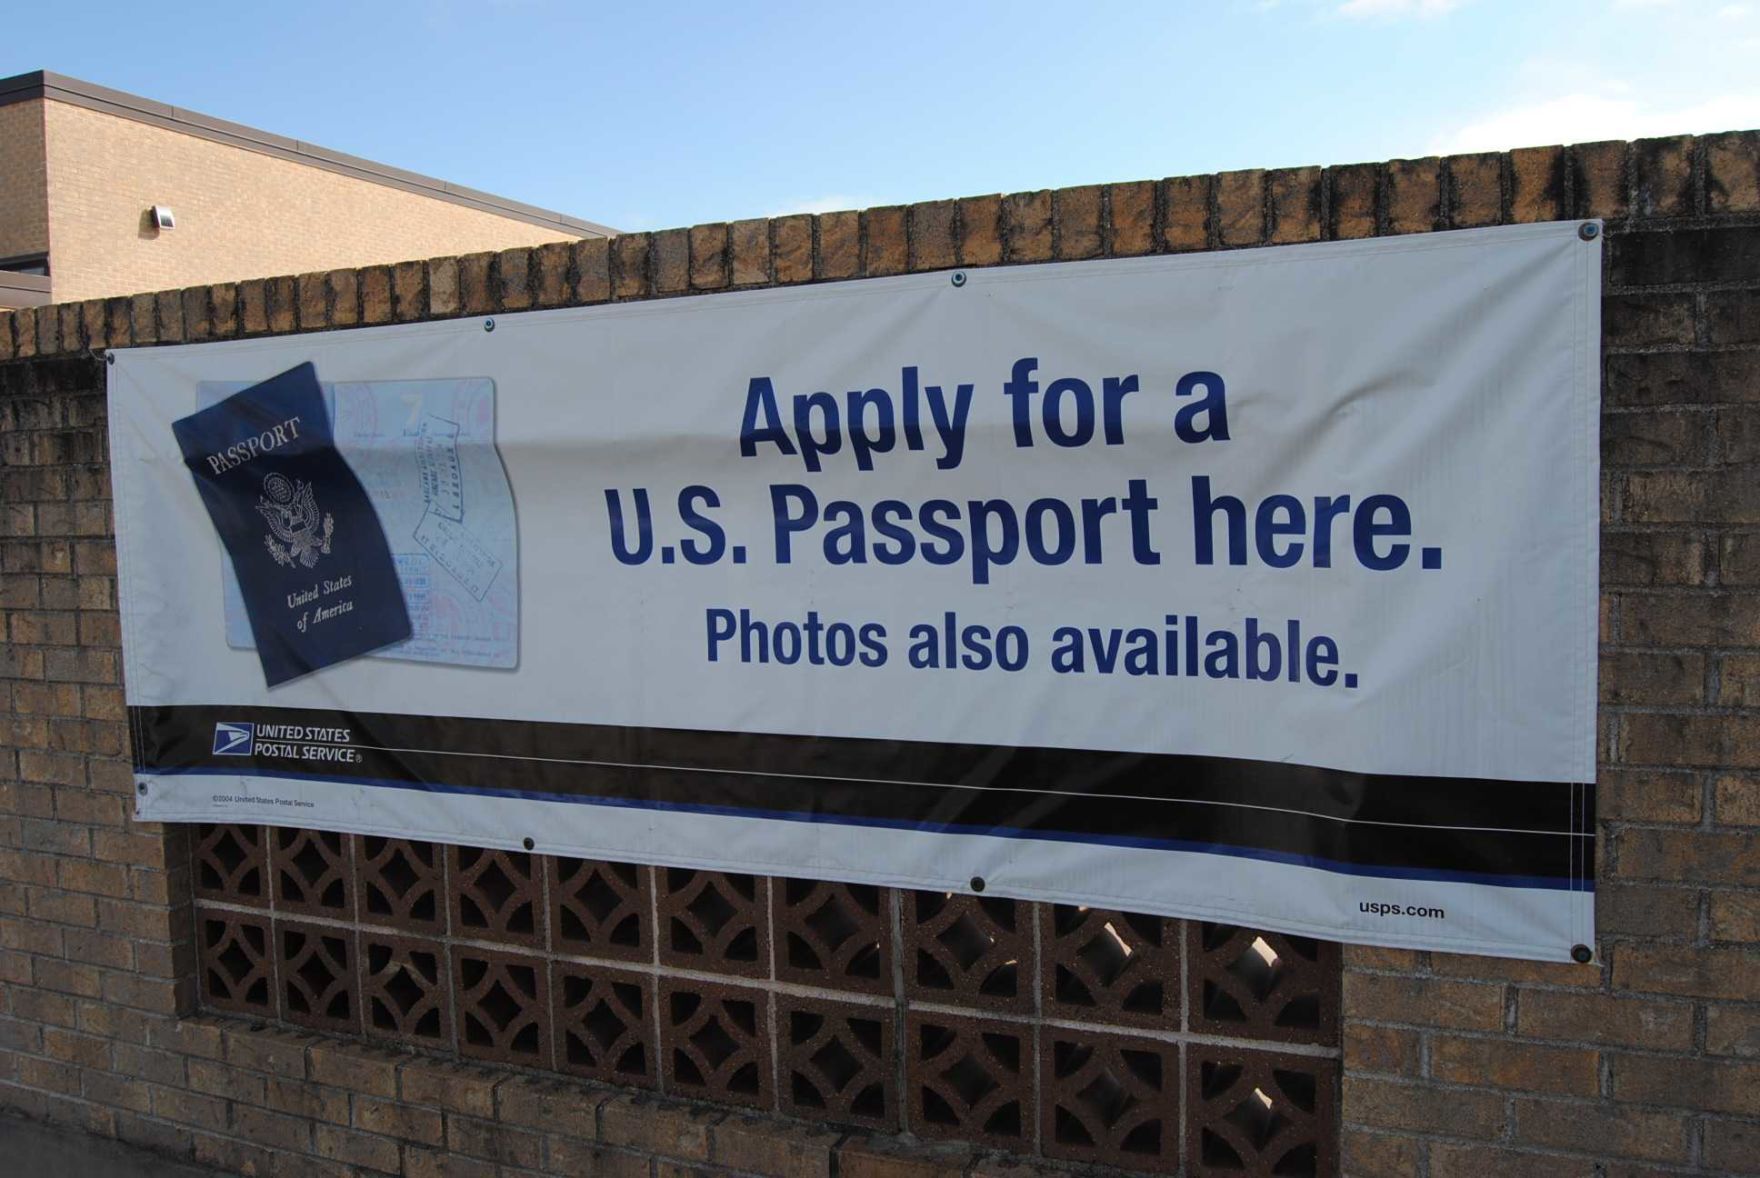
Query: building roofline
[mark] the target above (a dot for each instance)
(24, 290)
(61, 88)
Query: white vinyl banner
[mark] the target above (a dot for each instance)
(1255, 586)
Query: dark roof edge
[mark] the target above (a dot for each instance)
(61, 88)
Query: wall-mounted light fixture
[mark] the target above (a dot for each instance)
(162, 217)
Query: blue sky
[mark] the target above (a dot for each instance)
(651, 115)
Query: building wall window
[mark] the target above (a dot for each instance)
(37, 264)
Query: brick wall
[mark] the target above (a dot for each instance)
(1646, 1063)
(24, 194)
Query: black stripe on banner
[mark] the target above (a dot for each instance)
(1450, 825)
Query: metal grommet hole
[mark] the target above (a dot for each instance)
(977, 883)
(529, 844)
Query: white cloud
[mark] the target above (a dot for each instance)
(834, 202)
(1369, 9)
(1734, 11)
(1585, 117)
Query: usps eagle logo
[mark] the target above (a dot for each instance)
(232, 739)
(298, 534)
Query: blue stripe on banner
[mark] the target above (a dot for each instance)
(1334, 866)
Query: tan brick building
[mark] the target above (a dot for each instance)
(83, 167)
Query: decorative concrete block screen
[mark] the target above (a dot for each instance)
(487, 1013)
(1033, 1029)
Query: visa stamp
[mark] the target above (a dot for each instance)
(437, 460)
(458, 552)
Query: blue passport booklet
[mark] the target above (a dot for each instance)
(310, 555)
